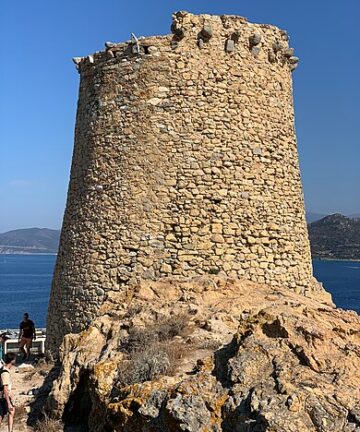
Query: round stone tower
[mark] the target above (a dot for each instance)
(185, 163)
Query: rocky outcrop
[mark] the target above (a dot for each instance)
(250, 358)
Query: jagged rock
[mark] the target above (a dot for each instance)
(284, 35)
(179, 32)
(256, 359)
(277, 46)
(206, 33)
(272, 57)
(77, 60)
(152, 50)
(293, 59)
(288, 52)
(254, 39)
(236, 35)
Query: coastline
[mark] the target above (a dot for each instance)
(336, 259)
(27, 253)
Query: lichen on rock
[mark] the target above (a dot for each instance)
(255, 358)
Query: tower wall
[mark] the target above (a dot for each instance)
(185, 163)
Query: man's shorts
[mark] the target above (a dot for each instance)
(26, 342)
(3, 408)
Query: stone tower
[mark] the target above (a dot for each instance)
(185, 163)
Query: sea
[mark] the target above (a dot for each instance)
(25, 282)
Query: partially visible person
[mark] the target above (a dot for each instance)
(3, 338)
(6, 405)
(26, 336)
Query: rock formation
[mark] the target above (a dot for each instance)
(185, 163)
(252, 358)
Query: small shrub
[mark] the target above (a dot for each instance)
(170, 327)
(133, 310)
(175, 352)
(152, 351)
(214, 271)
(48, 425)
(140, 338)
(150, 363)
(145, 365)
(163, 330)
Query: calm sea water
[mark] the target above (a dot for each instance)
(25, 286)
(342, 280)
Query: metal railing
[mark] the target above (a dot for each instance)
(12, 343)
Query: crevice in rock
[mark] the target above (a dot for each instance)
(300, 355)
(221, 359)
(275, 376)
(353, 419)
(38, 406)
(79, 405)
(275, 330)
(243, 419)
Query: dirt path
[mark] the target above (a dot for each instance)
(27, 378)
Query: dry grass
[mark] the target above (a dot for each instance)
(151, 362)
(163, 330)
(48, 425)
(153, 351)
(133, 310)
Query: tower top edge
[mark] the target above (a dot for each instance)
(197, 29)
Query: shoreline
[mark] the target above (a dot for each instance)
(336, 259)
(28, 253)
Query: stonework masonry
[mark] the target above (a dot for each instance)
(185, 163)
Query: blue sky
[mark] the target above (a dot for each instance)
(39, 85)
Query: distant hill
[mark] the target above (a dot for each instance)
(335, 236)
(30, 241)
(313, 217)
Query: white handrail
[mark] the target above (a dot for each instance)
(39, 340)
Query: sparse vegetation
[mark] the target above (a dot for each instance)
(133, 310)
(48, 424)
(214, 271)
(153, 351)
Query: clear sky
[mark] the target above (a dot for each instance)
(39, 85)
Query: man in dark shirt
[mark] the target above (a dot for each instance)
(26, 336)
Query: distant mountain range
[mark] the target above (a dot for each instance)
(335, 237)
(313, 217)
(30, 241)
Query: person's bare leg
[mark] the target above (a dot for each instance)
(22, 350)
(28, 349)
(11, 420)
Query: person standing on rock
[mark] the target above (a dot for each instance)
(26, 336)
(6, 405)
